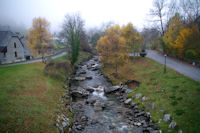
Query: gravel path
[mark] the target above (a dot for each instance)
(32, 61)
(187, 70)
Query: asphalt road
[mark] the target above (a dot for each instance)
(32, 61)
(186, 70)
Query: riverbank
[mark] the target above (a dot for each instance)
(161, 94)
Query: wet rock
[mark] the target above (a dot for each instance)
(128, 101)
(65, 123)
(133, 104)
(98, 108)
(88, 77)
(79, 92)
(96, 86)
(137, 130)
(79, 78)
(94, 69)
(111, 126)
(166, 118)
(82, 72)
(90, 101)
(111, 89)
(151, 106)
(140, 114)
(137, 96)
(172, 124)
(90, 89)
(137, 123)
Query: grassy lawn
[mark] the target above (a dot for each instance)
(171, 92)
(29, 99)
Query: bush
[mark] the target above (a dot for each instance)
(58, 69)
(191, 54)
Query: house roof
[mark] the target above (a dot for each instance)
(5, 37)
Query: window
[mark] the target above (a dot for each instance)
(4, 54)
(15, 44)
(15, 54)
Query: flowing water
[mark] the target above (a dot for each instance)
(109, 119)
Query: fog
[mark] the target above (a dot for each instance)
(18, 14)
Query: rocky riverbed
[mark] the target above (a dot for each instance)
(100, 107)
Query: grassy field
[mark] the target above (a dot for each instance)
(29, 99)
(171, 92)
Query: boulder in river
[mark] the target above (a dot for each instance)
(128, 101)
(79, 92)
(90, 89)
(79, 78)
(88, 77)
(112, 89)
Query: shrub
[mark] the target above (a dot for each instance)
(58, 69)
(191, 54)
(179, 112)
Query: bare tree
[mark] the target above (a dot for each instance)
(159, 11)
(190, 9)
(71, 31)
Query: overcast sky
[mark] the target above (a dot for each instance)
(94, 12)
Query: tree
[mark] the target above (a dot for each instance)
(189, 39)
(133, 38)
(159, 12)
(39, 39)
(72, 29)
(112, 48)
(173, 30)
(84, 42)
(151, 36)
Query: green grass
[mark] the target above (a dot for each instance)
(30, 99)
(171, 92)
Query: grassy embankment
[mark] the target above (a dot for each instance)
(29, 99)
(171, 92)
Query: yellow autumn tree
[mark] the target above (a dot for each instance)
(39, 38)
(173, 30)
(112, 48)
(189, 39)
(133, 38)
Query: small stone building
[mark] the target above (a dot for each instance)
(13, 48)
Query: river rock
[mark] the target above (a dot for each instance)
(166, 118)
(90, 89)
(128, 101)
(83, 72)
(79, 92)
(172, 124)
(137, 130)
(88, 77)
(137, 96)
(90, 101)
(79, 78)
(111, 89)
